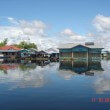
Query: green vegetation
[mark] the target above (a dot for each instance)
(22, 44)
(4, 42)
(26, 45)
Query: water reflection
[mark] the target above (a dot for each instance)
(81, 66)
(99, 69)
(71, 68)
(24, 73)
(102, 82)
(38, 83)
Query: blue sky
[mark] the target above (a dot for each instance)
(60, 14)
(77, 15)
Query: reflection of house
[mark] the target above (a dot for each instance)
(77, 51)
(8, 66)
(9, 51)
(81, 66)
(26, 76)
(42, 63)
(5, 67)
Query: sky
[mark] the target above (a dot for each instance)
(50, 22)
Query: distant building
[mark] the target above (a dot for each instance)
(54, 57)
(53, 54)
(23, 53)
(9, 51)
(87, 51)
(12, 52)
(42, 54)
(26, 53)
(106, 54)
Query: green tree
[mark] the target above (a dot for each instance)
(4, 42)
(26, 45)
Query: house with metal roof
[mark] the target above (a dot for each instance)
(73, 51)
(42, 54)
(9, 47)
(9, 51)
(13, 52)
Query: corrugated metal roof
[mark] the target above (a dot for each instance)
(52, 50)
(71, 45)
(9, 47)
(42, 52)
(33, 49)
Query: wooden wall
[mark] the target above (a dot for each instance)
(80, 54)
(65, 54)
(94, 55)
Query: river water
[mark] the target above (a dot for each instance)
(48, 85)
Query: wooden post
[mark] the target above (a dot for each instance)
(72, 64)
(72, 55)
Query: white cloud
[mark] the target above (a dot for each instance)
(102, 34)
(68, 32)
(36, 31)
(31, 31)
(67, 75)
(69, 35)
(102, 23)
(12, 20)
(102, 84)
(102, 81)
(32, 27)
(32, 76)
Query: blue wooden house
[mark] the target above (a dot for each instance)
(80, 51)
(28, 53)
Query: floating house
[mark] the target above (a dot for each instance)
(13, 52)
(53, 54)
(87, 50)
(28, 53)
(9, 51)
(23, 53)
(42, 54)
(33, 52)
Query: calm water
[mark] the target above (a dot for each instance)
(54, 86)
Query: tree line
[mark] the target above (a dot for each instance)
(22, 44)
